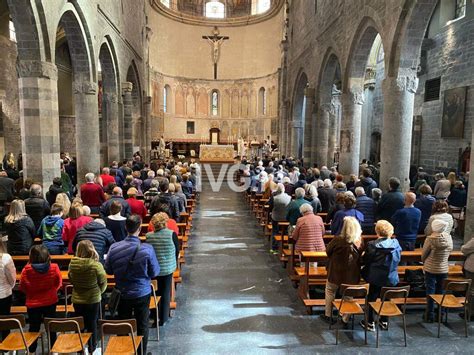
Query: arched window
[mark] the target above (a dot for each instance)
(166, 98)
(215, 103)
(260, 6)
(214, 9)
(262, 101)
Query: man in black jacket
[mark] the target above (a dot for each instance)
(165, 198)
(36, 206)
(116, 196)
(98, 234)
(7, 191)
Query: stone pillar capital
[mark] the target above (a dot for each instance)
(127, 87)
(326, 107)
(355, 96)
(296, 124)
(111, 97)
(85, 87)
(407, 81)
(36, 68)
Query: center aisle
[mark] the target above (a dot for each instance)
(235, 297)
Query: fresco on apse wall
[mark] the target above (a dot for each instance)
(156, 98)
(454, 103)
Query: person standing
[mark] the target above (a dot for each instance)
(133, 265)
(92, 194)
(20, 229)
(7, 282)
(309, 231)
(166, 245)
(406, 222)
(51, 231)
(391, 201)
(278, 204)
(36, 206)
(344, 253)
(40, 281)
(435, 256)
(381, 259)
(73, 223)
(98, 234)
(89, 281)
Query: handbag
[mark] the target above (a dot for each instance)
(116, 294)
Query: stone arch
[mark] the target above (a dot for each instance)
(244, 112)
(225, 103)
(190, 102)
(108, 103)
(74, 30)
(202, 102)
(354, 96)
(179, 101)
(235, 103)
(298, 139)
(328, 122)
(409, 33)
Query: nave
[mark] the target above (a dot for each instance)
(237, 298)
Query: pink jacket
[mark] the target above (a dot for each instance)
(308, 233)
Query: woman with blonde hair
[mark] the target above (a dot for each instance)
(73, 223)
(166, 245)
(381, 259)
(344, 253)
(65, 202)
(20, 229)
(87, 275)
(452, 178)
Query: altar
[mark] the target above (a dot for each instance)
(214, 153)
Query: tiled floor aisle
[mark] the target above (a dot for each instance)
(236, 299)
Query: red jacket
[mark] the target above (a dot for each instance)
(107, 179)
(171, 225)
(41, 289)
(137, 207)
(71, 226)
(92, 195)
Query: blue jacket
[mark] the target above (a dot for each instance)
(368, 184)
(133, 280)
(406, 222)
(105, 208)
(381, 260)
(458, 197)
(366, 206)
(425, 204)
(338, 220)
(51, 231)
(389, 203)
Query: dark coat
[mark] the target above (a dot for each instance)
(37, 208)
(105, 208)
(425, 205)
(7, 190)
(368, 184)
(344, 262)
(381, 259)
(458, 197)
(389, 203)
(98, 234)
(21, 235)
(366, 205)
(165, 199)
(327, 196)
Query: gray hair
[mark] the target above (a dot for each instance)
(299, 192)
(359, 191)
(376, 192)
(151, 174)
(100, 221)
(280, 188)
(106, 171)
(90, 177)
(306, 208)
(154, 183)
(36, 190)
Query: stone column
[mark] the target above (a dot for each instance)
(111, 101)
(399, 97)
(282, 137)
(469, 216)
(296, 128)
(323, 134)
(39, 120)
(147, 147)
(308, 125)
(332, 134)
(127, 119)
(350, 132)
(87, 128)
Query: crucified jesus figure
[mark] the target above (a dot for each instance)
(216, 41)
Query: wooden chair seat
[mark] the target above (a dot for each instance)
(152, 302)
(15, 342)
(69, 342)
(122, 345)
(389, 309)
(450, 301)
(348, 307)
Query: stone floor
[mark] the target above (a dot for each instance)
(236, 299)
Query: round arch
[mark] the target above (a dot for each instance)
(298, 138)
(134, 125)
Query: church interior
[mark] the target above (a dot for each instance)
(236, 176)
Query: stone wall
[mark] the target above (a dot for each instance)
(189, 100)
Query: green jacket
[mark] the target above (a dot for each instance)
(88, 279)
(293, 210)
(165, 250)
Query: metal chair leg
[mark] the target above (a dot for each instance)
(365, 328)
(404, 329)
(337, 330)
(465, 320)
(377, 329)
(439, 320)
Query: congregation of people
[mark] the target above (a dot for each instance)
(317, 201)
(98, 223)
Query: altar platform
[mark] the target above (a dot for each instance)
(215, 153)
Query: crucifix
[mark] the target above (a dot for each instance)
(215, 40)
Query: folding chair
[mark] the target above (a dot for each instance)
(70, 338)
(124, 341)
(19, 340)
